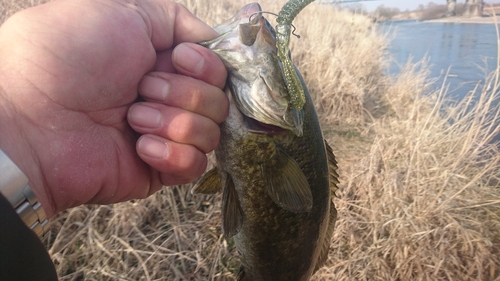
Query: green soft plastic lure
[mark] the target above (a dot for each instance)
(285, 17)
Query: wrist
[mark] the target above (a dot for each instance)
(14, 186)
(16, 137)
(15, 146)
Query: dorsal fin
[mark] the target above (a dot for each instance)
(332, 168)
(325, 246)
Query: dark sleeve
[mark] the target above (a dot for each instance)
(22, 254)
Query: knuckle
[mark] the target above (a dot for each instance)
(184, 128)
(213, 140)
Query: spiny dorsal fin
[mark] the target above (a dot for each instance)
(325, 247)
(286, 184)
(232, 213)
(209, 183)
(332, 168)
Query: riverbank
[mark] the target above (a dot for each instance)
(481, 20)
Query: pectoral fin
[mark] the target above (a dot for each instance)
(209, 183)
(286, 183)
(232, 213)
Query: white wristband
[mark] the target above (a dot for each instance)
(15, 187)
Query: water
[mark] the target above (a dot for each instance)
(469, 50)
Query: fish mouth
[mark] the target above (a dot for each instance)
(247, 47)
(266, 105)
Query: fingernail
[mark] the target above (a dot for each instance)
(189, 59)
(145, 116)
(154, 88)
(153, 147)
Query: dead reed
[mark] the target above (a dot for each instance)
(423, 203)
(419, 197)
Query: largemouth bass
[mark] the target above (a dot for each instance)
(276, 172)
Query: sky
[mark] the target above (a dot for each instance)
(407, 4)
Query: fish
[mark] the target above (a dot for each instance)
(277, 174)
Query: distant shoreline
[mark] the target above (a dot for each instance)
(486, 20)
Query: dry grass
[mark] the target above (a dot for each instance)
(419, 197)
(424, 203)
(343, 66)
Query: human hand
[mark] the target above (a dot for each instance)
(70, 74)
